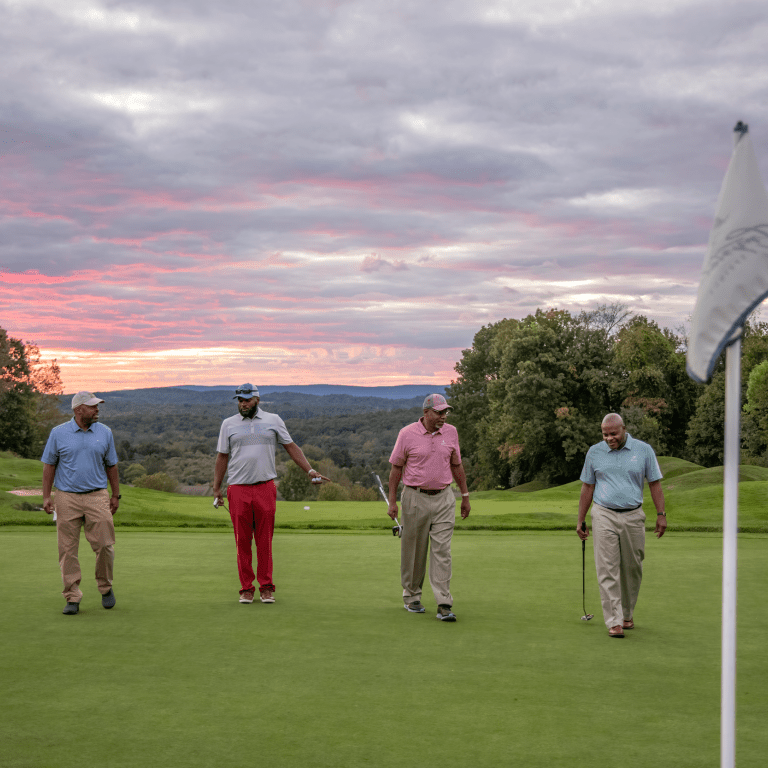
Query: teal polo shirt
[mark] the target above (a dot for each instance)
(618, 476)
(80, 456)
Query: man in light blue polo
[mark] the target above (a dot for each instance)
(80, 458)
(614, 473)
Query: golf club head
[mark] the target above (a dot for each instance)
(397, 530)
(588, 617)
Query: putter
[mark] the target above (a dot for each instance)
(586, 616)
(397, 529)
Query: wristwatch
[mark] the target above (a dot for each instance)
(661, 514)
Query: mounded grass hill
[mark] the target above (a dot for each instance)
(694, 501)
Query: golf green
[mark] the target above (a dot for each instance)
(336, 673)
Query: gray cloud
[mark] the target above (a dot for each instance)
(371, 175)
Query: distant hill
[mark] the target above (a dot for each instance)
(401, 392)
(194, 393)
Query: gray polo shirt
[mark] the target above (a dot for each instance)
(80, 456)
(251, 445)
(618, 476)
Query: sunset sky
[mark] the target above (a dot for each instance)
(323, 191)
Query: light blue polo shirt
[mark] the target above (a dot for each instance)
(251, 445)
(618, 476)
(80, 457)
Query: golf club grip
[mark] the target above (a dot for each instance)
(583, 543)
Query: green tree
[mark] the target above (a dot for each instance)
(755, 419)
(555, 380)
(295, 485)
(332, 492)
(658, 397)
(134, 473)
(28, 403)
(158, 482)
(706, 430)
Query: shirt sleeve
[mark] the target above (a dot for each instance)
(223, 445)
(652, 469)
(110, 458)
(588, 472)
(398, 456)
(283, 436)
(456, 448)
(51, 452)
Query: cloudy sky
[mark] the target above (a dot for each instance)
(324, 191)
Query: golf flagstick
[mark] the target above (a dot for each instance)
(586, 616)
(397, 529)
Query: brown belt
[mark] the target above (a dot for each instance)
(428, 491)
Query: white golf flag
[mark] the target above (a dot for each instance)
(734, 279)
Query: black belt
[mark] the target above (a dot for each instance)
(93, 490)
(428, 491)
(614, 509)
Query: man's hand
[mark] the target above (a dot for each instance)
(583, 533)
(48, 506)
(317, 478)
(219, 496)
(661, 525)
(392, 511)
(465, 507)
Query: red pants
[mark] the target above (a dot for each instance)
(252, 509)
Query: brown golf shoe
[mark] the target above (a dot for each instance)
(617, 631)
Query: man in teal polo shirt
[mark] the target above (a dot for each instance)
(80, 458)
(614, 473)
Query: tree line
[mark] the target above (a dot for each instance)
(528, 401)
(29, 389)
(530, 394)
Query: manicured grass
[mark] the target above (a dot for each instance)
(694, 502)
(337, 674)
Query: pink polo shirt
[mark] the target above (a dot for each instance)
(426, 458)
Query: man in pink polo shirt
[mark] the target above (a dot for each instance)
(426, 457)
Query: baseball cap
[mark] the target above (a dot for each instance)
(85, 398)
(436, 403)
(246, 391)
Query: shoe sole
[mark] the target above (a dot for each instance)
(415, 610)
(267, 599)
(446, 618)
(246, 600)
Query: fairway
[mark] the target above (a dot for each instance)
(336, 673)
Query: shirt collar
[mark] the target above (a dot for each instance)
(256, 415)
(73, 425)
(424, 430)
(627, 444)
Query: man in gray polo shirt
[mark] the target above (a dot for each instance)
(246, 448)
(614, 473)
(80, 458)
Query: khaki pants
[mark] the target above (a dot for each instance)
(427, 519)
(619, 542)
(89, 510)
